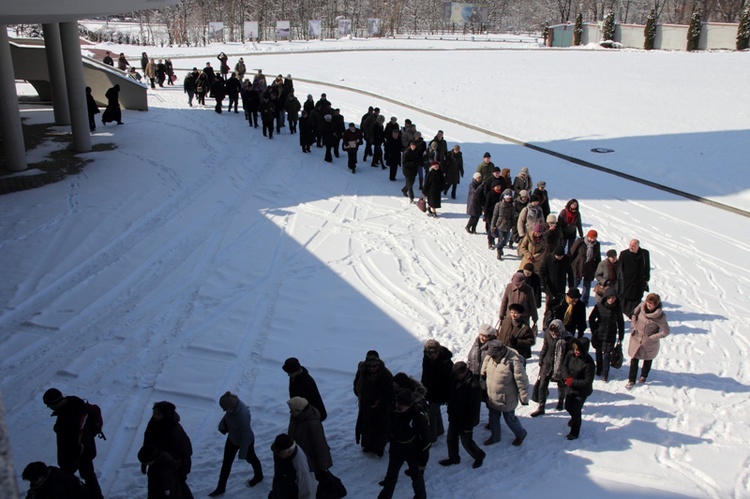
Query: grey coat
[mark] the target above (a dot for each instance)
(308, 432)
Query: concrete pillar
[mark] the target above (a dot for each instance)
(10, 113)
(79, 118)
(56, 71)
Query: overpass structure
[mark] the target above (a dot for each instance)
(30, 64)
(64, 81)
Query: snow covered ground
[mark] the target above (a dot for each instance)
(198, 255)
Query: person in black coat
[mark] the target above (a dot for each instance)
(92, 108)
(373, 387)
(338, 130)
(556, 271)
(410, 444)
(463, 415)
(253, 105)
(267, 115)
(392, 154)
(436, 378)
(163, 478)
(50, 482)
(75, 432)
(218, 92)
(301, 384)
(533, 280)
(329, 137)
(572, 311)
(112, 112)
(410, 167)
(634, 269)
(578, 375)
(433, 188)
(165, 433)
(541, 193)
(232, 87)
(491, 198)
(474, 204)
(607, 330)
(306, 137)
(377, 137)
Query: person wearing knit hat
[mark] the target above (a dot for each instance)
(486, 167)
(463, 415)
(165, 432)
(523, 181)
(529, 217)
(235, 424)
(556, 343)
(291, 472)
(76, 447)
(507, 385)
(373, 387)
(307, 431)
(302, 384)
(543, 195)
(409, 443)
(585, 255)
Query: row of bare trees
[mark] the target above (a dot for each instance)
(187, 22)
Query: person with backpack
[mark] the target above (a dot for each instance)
(77, 423)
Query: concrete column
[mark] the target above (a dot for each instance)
(56, 71)
(79, 118)
(10, 113)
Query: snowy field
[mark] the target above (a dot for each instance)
(198, 255)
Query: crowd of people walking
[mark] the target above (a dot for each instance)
(558, 264)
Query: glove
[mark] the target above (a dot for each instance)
(143, 469)
(568, 381)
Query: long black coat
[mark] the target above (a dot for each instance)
(454, 167)
(167, 435)
(306, 137)
(112, 111)
(580, 368)
(465, 403)
(436, 376)
(635, 269)
(303, 385)
(374, 390)
(392, 155)
(606, 323)
(543, 196)
(433, 187)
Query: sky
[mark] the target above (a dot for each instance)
(196, 256)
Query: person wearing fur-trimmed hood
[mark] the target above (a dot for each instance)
(578, 375)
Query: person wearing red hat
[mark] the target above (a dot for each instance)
(585, 255)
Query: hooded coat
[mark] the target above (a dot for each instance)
(606, 323)
(306, 430)
(167, 435)
(507, 382)
(648, 329)
(581, 369)
(504, 213)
